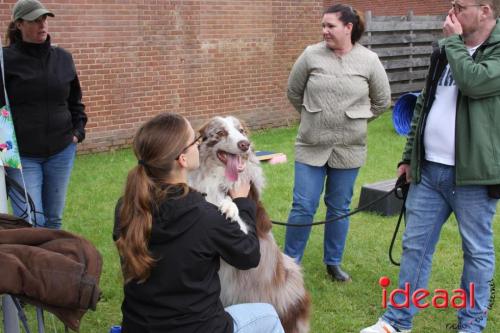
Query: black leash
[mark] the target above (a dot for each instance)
(401, 195)
(400, 190)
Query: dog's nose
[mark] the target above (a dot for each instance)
(244, 145)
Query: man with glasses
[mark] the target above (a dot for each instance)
(452, 158)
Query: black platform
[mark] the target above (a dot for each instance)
(390, 205)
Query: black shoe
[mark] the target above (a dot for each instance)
(337, 273)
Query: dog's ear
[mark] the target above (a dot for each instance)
(203, 129)
(245, 127)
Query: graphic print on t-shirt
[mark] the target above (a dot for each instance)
(446, 79)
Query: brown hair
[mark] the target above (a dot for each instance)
(349, 15)
(12, 34)
(156, 145)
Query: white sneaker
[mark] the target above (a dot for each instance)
(382, 327)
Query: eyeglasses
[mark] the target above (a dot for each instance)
(459, 8)
(197, 141)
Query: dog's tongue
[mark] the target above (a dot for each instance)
(232, 167)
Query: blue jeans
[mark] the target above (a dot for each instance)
(308, 186)
(255, 317)
(46, 180)
(428, 206)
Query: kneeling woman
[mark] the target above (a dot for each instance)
(171, 241)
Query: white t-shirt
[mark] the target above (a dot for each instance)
(439, 134)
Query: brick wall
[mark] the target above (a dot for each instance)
(393, 7)
(137, 58)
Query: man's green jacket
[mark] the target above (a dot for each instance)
(477, 132)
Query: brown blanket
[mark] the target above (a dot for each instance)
(54, 269)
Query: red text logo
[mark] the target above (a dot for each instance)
(439, 299)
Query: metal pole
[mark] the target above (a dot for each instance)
(10, 320)
(40, 320)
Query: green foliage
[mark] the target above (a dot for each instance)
(98, 181)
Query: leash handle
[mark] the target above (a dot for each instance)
(403, 187)
(393, 240)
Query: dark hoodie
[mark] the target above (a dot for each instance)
(188, 238)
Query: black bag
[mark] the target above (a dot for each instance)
(494, 191)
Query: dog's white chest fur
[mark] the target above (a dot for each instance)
(217, 195)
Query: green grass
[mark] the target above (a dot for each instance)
(97, 182)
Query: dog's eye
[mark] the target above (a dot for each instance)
(220, 133)
(242, 131)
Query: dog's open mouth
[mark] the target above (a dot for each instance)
(234, 164)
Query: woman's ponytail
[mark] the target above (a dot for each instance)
(358, 27)
(135, 226)
(12, 34)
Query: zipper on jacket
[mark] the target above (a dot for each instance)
(47, 111)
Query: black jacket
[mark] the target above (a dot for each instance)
(45, 97)
(188, 238)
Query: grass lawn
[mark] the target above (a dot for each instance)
(98, 180)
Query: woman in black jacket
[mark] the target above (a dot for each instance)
(49, 118)
(171, 241)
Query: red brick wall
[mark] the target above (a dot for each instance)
(198, 58)
(398, 7)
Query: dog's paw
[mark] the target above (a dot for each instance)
(229, 209)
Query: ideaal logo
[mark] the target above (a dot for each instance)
(439, 299)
